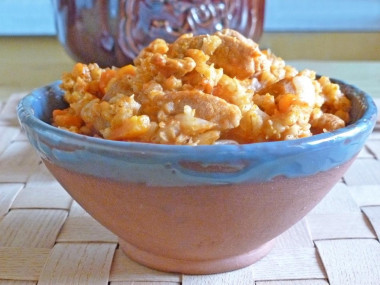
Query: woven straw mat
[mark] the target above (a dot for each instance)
(47, 238)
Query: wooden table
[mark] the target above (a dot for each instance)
(47, 238)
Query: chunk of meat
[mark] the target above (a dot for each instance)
(300, 85)
(206, 106)
(119, 86)
(283, 86)
(176, 67)
(118, 81)
(238, 56)
(206, 43)
(326, 123)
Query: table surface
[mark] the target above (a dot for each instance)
(47, 238)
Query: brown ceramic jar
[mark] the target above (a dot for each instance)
(112, 33)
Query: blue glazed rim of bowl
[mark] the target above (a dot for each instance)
(298, 157)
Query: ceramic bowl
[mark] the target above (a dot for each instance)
(195, 209)
(113, 32)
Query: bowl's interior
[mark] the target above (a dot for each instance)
(44, 104)
(359, 100)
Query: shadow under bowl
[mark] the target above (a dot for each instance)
(195, 209)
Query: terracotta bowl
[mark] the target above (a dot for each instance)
(195, 209)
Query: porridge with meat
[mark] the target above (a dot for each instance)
(201, 90)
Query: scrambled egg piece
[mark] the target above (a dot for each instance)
(201, 90)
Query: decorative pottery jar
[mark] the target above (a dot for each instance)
(111, 33)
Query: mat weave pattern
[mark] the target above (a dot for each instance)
(47, 238)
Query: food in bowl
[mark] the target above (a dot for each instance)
(201, 90)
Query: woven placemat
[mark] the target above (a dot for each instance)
(47, 238)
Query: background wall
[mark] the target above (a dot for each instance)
(323, 29)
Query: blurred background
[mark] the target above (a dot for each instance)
(296, 30)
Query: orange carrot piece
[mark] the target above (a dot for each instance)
(63, 118)
(130, 128)
(286, 101)
(105, 78)
(78, 69)
(126, 70)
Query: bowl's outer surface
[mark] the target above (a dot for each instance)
(198, 229)
(199, 209)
